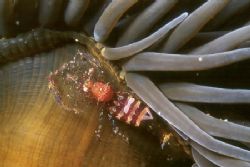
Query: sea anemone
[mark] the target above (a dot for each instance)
(185, 67)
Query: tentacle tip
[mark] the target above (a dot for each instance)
(69, 22)
(105, 53)
(185, 14)
(97, 37)
(125, 67)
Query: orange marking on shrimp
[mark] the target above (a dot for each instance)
(102, 92)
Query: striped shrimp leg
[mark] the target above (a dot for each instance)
(130, 110)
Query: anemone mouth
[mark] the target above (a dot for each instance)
(180, 65)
